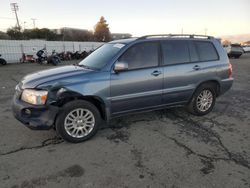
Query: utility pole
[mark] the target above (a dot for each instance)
(206, 31)
(34, 22)
(24, 25)
(14, 8)
(182, 30)
(63, 32)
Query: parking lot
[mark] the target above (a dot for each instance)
(167, 148)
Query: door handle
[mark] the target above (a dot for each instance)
(196, 67)
(156, 73)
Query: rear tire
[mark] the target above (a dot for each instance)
(78, 121)
(203, 100)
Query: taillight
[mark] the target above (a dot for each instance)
(230, 70)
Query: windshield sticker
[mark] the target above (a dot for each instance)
(118, 45)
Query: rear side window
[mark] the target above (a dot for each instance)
(141, 55)
(193, 52)
(175, 52)
(206, 51)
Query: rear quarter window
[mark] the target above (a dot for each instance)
(206, 51)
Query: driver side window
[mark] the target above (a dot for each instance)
(141, 55)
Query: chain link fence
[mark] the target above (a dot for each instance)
(12, 50)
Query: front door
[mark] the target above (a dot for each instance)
(139, 87)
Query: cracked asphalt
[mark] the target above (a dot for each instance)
(167, 148)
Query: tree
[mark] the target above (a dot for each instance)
(247, 42)
(102, 33)
(226, 42)
(14, 33)
(43, 33)
(4, 35)
(71, 34)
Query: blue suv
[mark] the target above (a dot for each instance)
(123, 77)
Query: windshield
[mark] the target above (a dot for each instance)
(100, 57)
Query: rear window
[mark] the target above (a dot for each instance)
(175, 52)
(236, 45)
(206, 51)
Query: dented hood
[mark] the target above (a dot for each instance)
(41, 77)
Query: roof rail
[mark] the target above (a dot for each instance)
(176, 35)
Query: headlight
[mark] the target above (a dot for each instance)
(36, 97)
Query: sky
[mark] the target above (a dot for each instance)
(214, 17)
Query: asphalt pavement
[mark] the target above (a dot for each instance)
(166, 148)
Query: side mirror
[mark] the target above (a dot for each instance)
(120, 66)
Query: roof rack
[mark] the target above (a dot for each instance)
(176, 35)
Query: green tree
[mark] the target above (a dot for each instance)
(226, 42)
(4, 35)
(102, 33)
(14, 33)
(71, 34)
(43, 33)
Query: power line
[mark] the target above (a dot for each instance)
(14, 8)
(7, 18)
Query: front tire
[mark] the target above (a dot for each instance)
(203, 100)
(78, 121)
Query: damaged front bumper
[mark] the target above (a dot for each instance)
(33, 116)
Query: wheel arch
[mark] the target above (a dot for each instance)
(68, 96)
(216, 83)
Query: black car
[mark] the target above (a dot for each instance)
(2, 61)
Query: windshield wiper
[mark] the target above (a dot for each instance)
(85, 66)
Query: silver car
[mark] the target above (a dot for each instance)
(234, 50)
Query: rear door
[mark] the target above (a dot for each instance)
(186, 63)
(140, 87)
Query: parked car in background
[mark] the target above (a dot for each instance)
(125, 77)
(2, 61)
(246, 49)
(234, 50)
